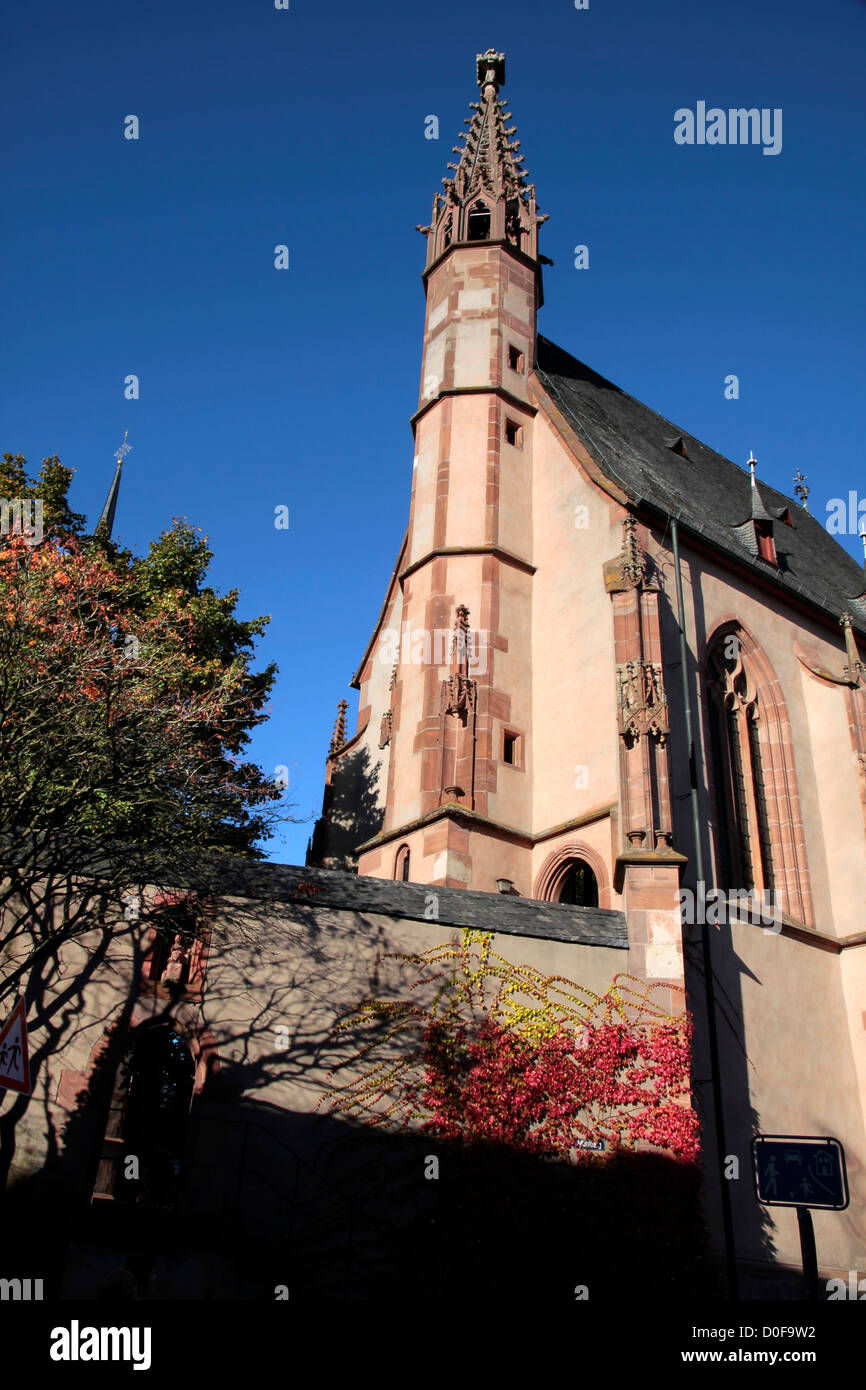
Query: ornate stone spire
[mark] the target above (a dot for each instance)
(338, 737)
(488, 198)
(633, 562)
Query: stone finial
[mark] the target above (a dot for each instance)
(490, 67)
(338, 737)
(633, 563)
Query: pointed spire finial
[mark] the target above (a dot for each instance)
(633, 561)
(491, 71)
(338, 737)
(120, 454)
(752, 463)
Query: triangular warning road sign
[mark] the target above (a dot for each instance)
(14, 1056)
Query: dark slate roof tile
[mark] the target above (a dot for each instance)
(457, 907)
(705, 491)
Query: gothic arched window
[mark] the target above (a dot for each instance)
(578, 885)
(478, 222)
(745, 848)
(401, 864)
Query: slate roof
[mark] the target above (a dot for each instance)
(457, 907)
(706, 492)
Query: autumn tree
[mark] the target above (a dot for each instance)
(127, 700)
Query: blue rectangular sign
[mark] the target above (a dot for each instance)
(800, 1171)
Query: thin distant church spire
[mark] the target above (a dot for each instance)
(105, 525)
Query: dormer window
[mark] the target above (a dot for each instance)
(478, 225)
(766, 544)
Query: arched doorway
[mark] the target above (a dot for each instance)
(158, 1075)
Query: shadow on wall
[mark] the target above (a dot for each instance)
(752, 1224)
(351, 812)
(256, 1194)
(371, 1215)
(266, 1196)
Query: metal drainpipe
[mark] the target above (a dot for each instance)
(709, 986)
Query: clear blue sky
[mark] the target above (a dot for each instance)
(306, 127)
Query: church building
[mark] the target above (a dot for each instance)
(611, 726)
(613, 668)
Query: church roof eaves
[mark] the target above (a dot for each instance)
(339, 891)
(706, 493)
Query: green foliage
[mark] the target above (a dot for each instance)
(129, 692)
(51, 484)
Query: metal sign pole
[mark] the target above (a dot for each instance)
(809, 1252)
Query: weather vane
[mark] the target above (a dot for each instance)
(801, 492)
(124, 449)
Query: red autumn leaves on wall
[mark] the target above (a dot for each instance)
(485, 1051)
(607, 1083)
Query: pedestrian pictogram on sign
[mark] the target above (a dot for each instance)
(800, 1171)
(14, 1057)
